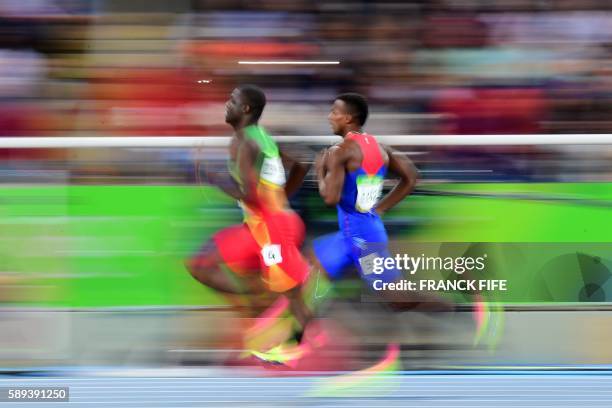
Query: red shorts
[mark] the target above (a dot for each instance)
(277, 257)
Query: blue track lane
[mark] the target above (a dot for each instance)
(222, 388)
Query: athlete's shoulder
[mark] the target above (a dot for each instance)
(343, 150)
(347, 144)
(260, 140)
(245, 144)
(382, 148)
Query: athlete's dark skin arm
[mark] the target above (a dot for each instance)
(226, 184)
(330, 167)
(408, 174)
(247, 152)
(297, 172)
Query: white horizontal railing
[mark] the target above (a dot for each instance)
(221, 141)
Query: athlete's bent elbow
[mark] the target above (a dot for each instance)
(410, 179)
(331, 201)
(412, 182)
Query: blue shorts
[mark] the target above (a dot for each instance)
(356, 247)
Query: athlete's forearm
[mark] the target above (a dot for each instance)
(228, 185)
(323, 188)
(320, 172)
(330, 175)
(399, 192)
(237, 192)
(245, 191)
(408, 175)
(296, 161)
(296, 177)
(403, 189)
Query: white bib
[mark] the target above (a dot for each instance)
(272, 171)
(369, 190)
(271, 254)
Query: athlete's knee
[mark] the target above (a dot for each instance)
(195, 269)
(294, 293)
(203, 266)
(316, 266)
(298, 306)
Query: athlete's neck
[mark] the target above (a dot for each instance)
(244, 123)
(352, 129)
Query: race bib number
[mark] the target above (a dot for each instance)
(367, 263)
(271, 254)
(369, 190)
(272, 171)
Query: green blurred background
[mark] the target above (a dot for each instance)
(83, 246)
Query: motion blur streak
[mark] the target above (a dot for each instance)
(93, 241)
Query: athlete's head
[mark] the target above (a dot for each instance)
(349, 112)
(245, 105)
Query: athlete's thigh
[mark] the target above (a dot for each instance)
(333, 254)
(237, 249)
(369, 252)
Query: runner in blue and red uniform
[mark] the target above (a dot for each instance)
(350, 176)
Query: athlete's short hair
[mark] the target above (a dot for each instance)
(357, 105)
(255, 98)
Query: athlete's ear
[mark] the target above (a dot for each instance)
(348, 118)
(246, 108)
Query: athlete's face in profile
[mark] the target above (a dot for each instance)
(233, 107)
(338, 117)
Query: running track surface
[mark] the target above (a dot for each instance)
(222, 388)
